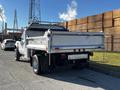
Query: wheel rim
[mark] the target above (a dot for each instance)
(35, 63)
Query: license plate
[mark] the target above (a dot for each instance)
(77, 56)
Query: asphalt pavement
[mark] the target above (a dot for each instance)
(19, 76)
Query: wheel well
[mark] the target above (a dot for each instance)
(38, 52)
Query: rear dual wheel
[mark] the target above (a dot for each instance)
(36, 64)
(39, 64)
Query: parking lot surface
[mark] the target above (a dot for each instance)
(19, 76)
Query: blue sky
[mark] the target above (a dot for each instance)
(50, 9)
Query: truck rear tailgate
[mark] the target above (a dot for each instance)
(77, 40)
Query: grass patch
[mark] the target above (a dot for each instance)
(106, 61)
(108, 58)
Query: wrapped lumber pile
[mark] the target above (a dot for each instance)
(82, 25)
(72, 25)
(95, 23)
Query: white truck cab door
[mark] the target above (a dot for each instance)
(22, 44)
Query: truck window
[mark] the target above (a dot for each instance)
(33, 33)
(39, 29)
(10, 41)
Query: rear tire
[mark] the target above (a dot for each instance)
(36, 64)
(31, 61)
(40, 64)
(17, 55)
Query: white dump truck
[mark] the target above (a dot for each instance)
(49, 46)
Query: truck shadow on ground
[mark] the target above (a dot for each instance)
(79, 77)
(105, 68)
(24, 61)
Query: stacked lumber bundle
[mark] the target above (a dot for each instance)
(108, 41)
(82, 25)
(116, 42)
(95, 23)
(72, 25)
(109, 22)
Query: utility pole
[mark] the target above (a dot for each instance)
(2, 26)
(34, 11)
(15, 25)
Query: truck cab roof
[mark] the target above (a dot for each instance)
(44, 27)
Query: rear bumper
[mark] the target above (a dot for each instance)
(75, 55)
(70, 53)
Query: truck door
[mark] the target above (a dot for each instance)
(22, 43)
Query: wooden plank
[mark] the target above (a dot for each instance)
(99, 17)
(81, 27)
(107, 38)
(72, 28)
(82, 21)
(69, 28)
(91, 19)
(116, 30)
(108, 42)
(95, 25)
(117, 38)
(108, 23)
(95, 30)
(116, 47)
(117, 22)
(108, 46)
(98, 24)
(91, 25)
(95, 18)
(108, 15)
(84, 30)
(72, 22)
(109, 31)
(116, 13)
(116, 42)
